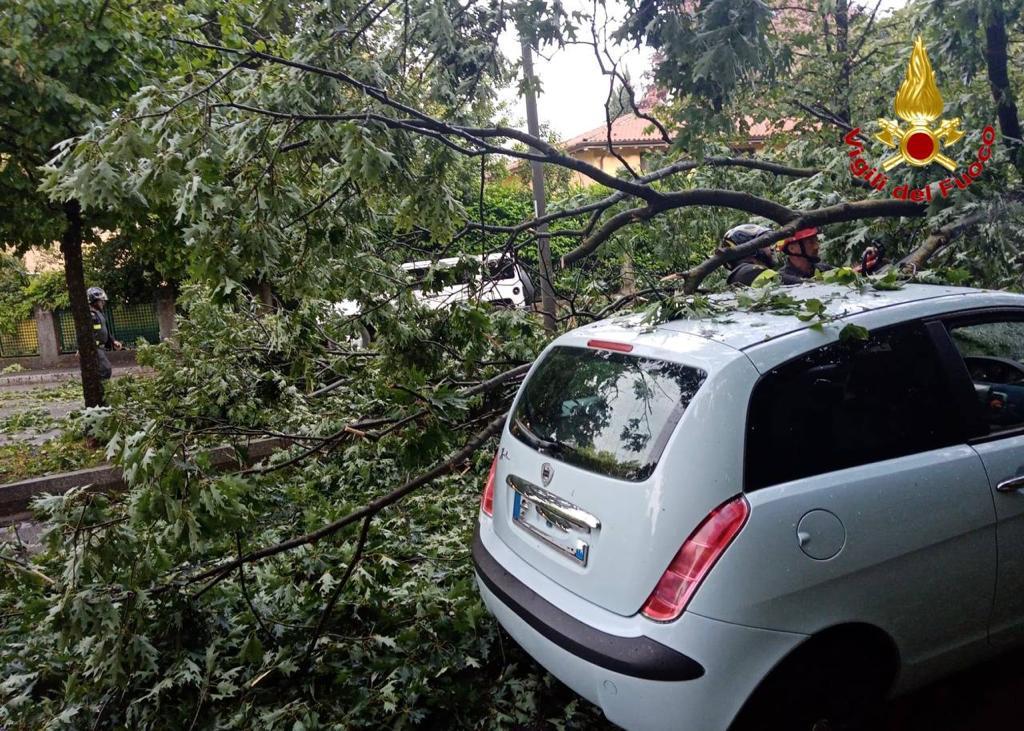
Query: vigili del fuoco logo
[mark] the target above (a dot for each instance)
(923, 141)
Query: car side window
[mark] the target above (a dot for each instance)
(849, 403)
(994, 355)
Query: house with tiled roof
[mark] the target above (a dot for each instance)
(633, 137)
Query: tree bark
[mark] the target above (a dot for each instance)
(266, 296)
(939, 239)
(845, 62)
(74, 274)
(999, 81)
(548, 304)
(628, 272)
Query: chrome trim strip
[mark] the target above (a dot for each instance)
(551, 504)
(567, 551)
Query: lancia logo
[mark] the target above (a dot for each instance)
(546, 473)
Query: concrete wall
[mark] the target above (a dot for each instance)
(601, 158)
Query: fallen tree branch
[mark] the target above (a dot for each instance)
(220, 572)
(881, 208)
(683, 199)
(939, 239)
(947, 234)
(28, 569)
(418, 122)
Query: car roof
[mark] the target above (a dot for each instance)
(742, 329)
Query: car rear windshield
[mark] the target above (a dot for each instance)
(604, 411)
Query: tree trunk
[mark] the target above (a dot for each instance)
(74, 274)
(628, 272)
(845, 62)
(999, 80)
(548, 303)
(266, 296)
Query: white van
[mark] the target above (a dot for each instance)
(502, 282)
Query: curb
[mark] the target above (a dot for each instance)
(30, 378)
(27, 378)
(16, 496)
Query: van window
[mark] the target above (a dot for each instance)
(849, 403)
(604, 411)
(994, 355)
(503, 268)
(416, 276)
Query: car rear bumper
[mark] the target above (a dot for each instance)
(638, 657)
(636, 670)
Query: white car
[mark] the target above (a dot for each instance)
(749, 522)
(359, 336)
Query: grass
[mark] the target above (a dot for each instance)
(22, 461)
(70, 390)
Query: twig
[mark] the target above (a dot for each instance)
(329, 607)
(27, 569)
(245, 593)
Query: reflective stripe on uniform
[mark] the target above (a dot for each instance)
(97, 326)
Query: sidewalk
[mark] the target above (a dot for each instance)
(25, 380)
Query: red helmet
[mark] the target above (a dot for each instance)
(804, 233)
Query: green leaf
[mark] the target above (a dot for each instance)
(889, 281)
(252, 651)
(853, 332)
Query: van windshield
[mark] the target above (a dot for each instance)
(504, 268)
(604, 411)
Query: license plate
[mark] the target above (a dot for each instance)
(549, 526)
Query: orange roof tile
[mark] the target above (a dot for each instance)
(628, 128)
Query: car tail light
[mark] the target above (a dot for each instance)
(487, 499)
(695, 559)
(609, 345)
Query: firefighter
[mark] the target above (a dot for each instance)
(100, 331)
(745, 271)
(802, 260)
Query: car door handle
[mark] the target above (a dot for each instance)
(1011, 485)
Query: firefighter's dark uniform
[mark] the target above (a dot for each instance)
(745, 273)
(104, 341)
(791, 275)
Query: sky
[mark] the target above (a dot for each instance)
(574, 90)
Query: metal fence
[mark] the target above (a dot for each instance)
(131, 322)
(127, 323)
(24, 340)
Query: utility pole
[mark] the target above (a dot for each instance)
(547, 288)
